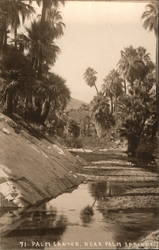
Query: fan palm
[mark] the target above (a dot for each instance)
(46, 6)
(52, 94)
(124, 64)
(133, 64)
(113, 87)
(151, 22)
(42, 48)
(56, 22)
(59, 90)
(150, 16)
(90, 77)
(15, 12)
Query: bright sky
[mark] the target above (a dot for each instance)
(94, 36)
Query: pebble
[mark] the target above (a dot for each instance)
(6, 131)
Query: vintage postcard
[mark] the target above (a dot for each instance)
(79, 134)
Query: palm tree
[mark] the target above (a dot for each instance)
(4, 24)
(150, 16)
(52, 95)
(42, 52)
(151, 22)
(56, 22)
(113, 87)
(42, 49)
(124, 64)
(46, 6)
(103, 118)
(3, 27)
(15, 11)
(19, 10)
(90, 77)
(133, 65)
(17, 74)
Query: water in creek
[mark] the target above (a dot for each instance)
(78, 220)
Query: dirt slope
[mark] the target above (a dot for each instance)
(32, 170)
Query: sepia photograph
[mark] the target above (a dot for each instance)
(79, 127)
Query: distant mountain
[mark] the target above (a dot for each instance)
(74, 104)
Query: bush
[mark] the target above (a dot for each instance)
(73, 142)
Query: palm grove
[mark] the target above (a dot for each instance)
(30, 89)
(126, 102)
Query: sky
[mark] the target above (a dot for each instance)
(95, 34)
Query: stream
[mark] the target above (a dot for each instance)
(114, 208)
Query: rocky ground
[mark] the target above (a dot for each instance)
(32, 169)
(140, 182)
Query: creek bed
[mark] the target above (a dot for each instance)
(101, 213)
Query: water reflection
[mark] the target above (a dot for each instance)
(130, 227)
(48, 223)
(86, 214)
(35, 229)
(103, 189)
(80, 216)
(126, 226)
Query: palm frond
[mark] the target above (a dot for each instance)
(150, 16)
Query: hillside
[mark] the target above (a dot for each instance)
(74, 104)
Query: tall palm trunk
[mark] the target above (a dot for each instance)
(9, 103)
(125, 87)
(96, 89)
(99, 129)
(45, 5)
(40, 66)
(5, 35)
(111, 105)
(157, 69)
(15, 36)
(45, 109)
(9, 96)
(157, 83)
(28, 105)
